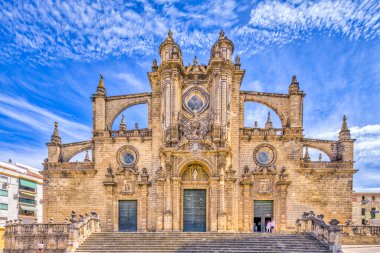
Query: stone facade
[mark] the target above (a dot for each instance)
(196, 139)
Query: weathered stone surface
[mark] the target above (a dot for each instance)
(196, 118)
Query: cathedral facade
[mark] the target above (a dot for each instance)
(196, 167)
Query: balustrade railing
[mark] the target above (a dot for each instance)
(57, 237)
(328, 234)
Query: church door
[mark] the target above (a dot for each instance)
(194, 211)
(128, 215)
(263, 213)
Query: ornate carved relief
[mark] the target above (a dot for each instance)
(195, 173)
(195, 128)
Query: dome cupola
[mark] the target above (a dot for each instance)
(169, 49)
(223, 48)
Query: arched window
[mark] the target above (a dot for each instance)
(256, 112)
(132, 115)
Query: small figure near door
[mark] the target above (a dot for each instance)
(268, 226)
(272, 224)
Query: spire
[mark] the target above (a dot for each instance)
(294, 86)
(320, 157)
(87, 157)
(101, 90)
(268, 124)
(123, 126)
(306, 157)
(255, 125)
(195, 61)
(344, 133)
(55, 138)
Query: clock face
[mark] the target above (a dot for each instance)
(264, 155)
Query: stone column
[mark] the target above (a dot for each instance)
(168, 215)
(110, 185)
(213, 201)
(160, 205)
(222, 215)
(176, 181)
(143, 207)
(247, 205)
(282, 191)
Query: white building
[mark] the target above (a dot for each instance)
(20, 193)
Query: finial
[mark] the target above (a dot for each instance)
(55, 138)
(136, 125)
(268, 124)
(101, 83)
(255, 125)
(344, 133)
(306, 158)
(170, 34)
(320, 157)
(294, 80)
(87, 157)
(221, 34)
(154, 66)
(237, 60)
(195, 61)
(123, 126)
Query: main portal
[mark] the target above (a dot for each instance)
(194, 210)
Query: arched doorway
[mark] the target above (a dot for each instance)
(195, 198)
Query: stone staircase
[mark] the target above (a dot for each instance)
(200, 242)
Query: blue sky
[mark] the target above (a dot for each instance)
(52, 52)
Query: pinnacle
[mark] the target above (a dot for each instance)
(268, 124)
(294, 80)
(307, 156)
(101, 83)
(123, 126)
(55, 138)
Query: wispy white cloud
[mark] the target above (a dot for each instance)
(45, 31)
(41, 120)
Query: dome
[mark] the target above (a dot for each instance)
(169, 49)
(223, 48)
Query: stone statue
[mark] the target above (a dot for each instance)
(195, 175)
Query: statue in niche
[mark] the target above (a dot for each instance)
(195, 174)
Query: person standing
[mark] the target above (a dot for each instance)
(272, 224)
(268, 226)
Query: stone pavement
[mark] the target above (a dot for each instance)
(361, 248)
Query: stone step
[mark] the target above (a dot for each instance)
(200, 242)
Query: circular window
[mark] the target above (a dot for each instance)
(264, 155)
(195, 103)
(127, 156)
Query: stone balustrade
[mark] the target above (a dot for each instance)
(327, 165)
(56, 237)
(328, 234)
(261, 132)
(359, 234)
(132, 133)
